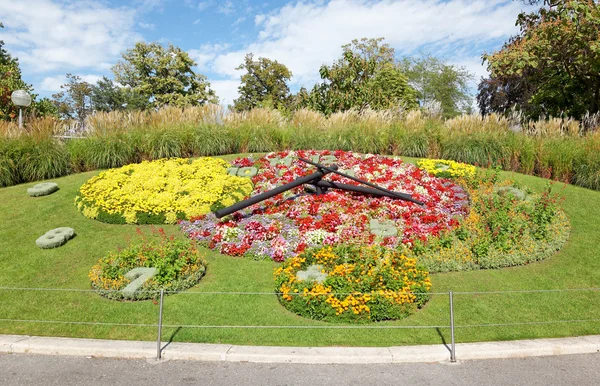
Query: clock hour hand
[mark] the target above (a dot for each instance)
(273, 192)
(388, 193)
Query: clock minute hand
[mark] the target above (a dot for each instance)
(273, 192)
(402, 196)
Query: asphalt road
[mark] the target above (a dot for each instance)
(22, 369)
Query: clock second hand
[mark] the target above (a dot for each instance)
(402, 196)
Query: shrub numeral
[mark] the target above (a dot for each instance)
(138, 277)
(243, 172)
(383, 228)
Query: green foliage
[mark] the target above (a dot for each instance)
(178, 263)
(163, 75)
(501, 230)
(107, 96)
(263, 85)
(10, 80)
(31, 159)
(365, 76)
(435, 80)
(74, 102)
(552, 67)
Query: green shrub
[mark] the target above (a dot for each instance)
(178, 263)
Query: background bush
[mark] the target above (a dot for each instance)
(562, 153)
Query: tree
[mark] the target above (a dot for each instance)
(10, 80)
(263, 85)
(108, 96)
(554, 60)
(163, 75)
(365, 76)
(75, 101)
(435, 80)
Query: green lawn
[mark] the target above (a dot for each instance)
(23, 264)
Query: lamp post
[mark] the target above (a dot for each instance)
(22, 99)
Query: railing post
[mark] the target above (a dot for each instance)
(452, 347)
(160, 317)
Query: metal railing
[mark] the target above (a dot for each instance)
(452, 326)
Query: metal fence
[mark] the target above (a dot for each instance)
(450, 317)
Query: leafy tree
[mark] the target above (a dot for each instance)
(435, 80)
(74, 102)
(263, 85)
(108, 96)
(163, 75)
(365, 76)
(554, 62)
(10, 80)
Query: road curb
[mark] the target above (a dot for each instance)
(23, 344)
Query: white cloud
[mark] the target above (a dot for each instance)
(206, 54)
(258, 19)
(52, 83)
(305, 35)
(226, 8)
(238, 21)
(202, 5)
(227, 90)
(49, 36)
(146, 25)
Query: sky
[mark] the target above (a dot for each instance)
(86, 38)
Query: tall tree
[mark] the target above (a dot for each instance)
(74, 102)
(365, 76)
(433, 79)
(164, 75)
(555, 60)
(108, 96)
(263, 85)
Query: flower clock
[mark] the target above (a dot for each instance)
(308, 216)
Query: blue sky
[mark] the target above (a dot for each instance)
(85, 38)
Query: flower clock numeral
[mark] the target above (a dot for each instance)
(287, 161)
(383, 228)
(243, 172)
(138, 277)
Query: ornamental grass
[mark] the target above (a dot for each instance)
(558, 148)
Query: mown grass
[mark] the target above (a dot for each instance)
(26, 266)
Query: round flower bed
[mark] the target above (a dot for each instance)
(287, 224)
(162, 191)
(174, 265)
(352, 284)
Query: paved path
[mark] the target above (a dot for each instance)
(30, 369)
(302, 355)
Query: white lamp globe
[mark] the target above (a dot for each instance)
(20, 98)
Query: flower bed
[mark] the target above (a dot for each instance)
(352, 284)
(506, 226)
(162, 191)
(447, 168)
(177, 265)
(287, 224)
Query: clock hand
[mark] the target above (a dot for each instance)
(402, 196)
(273, 192)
